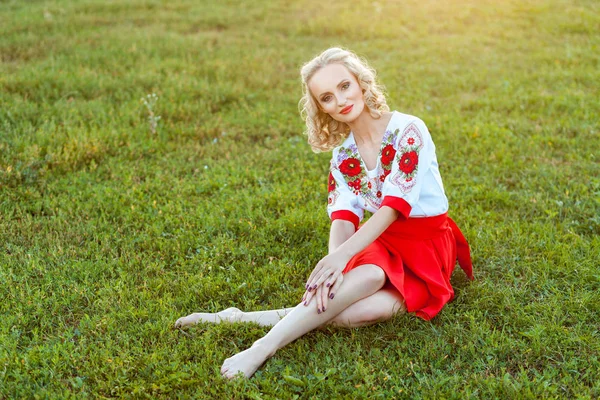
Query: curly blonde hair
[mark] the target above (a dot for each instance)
(324, 133)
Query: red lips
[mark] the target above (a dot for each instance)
(346, 110)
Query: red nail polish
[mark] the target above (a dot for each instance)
(331, 296)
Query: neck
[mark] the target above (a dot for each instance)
(366, 129)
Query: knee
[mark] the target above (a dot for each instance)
(375, 275)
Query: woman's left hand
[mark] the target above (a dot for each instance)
(332, 264)
(325, 292)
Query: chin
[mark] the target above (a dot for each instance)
(356, 111)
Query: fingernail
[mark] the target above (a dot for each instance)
(328, 284)
(331, 296)
(305, 303)
(323, 309)
(318, 310)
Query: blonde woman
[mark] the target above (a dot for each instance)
(383, 162)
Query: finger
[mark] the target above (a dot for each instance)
(319, 299)
(334, 289)
(314, 272)
(332, 278)
(325, 275)
(312, 283)
(308, 297)
(324, 294)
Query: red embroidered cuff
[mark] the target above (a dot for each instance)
(346, 216)
(398, 204)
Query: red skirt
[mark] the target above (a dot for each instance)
(418, 256)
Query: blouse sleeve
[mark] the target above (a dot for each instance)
(342, 203)
(415, 153)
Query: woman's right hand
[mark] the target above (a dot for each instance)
(324, 292)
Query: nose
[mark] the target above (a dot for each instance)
(341, 101)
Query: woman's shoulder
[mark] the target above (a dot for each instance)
(404, 120)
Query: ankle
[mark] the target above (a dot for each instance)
(268, 348)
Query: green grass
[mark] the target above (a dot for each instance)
(110, 232)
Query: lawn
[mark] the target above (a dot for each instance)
(114, 223)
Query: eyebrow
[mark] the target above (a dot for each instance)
(338, 85)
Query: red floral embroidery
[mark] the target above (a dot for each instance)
(379, 194)
(408, 162)
(387, 154)
(386, 173)
(369, 185)
(411, 141)
(331, 183)
(382, 178)
(355, 184)
(350, 167)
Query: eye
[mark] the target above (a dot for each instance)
(346, 85)
(326, 99)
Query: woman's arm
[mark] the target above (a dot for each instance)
(367, 234)
(341, 230)
(344, 243)
(339, 255)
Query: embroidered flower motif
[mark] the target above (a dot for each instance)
(387, 154)
(348, 161)
(331, 186)
(350, 167)
(355, 184)
(408, 162)
(379, 193)
(409, 146)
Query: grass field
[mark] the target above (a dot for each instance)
(112, 228)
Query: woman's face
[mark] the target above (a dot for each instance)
(335, 90)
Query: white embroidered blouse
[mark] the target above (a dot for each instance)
(406, 177)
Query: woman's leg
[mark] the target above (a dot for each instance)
(358, 283)
(232, 314)
(380, 306)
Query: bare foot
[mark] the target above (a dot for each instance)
(231, 314)
(247, 361)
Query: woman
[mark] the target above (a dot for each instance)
(403, 256)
